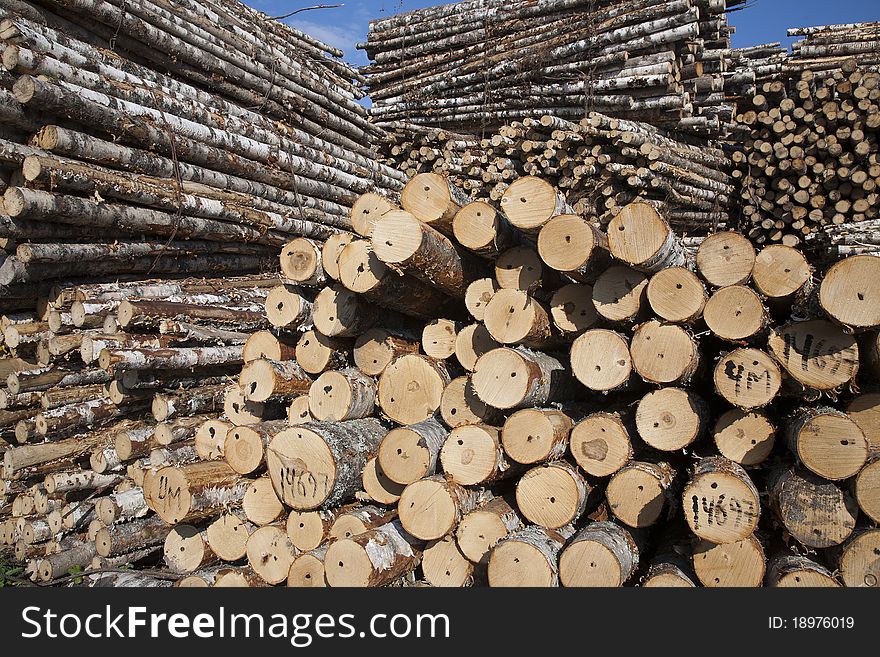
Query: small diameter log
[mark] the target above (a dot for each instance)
(528, 557)
(366, 211)
(121, 506)
(472, 342)
(178, 429)
(601, 444)
(514, 317)
(407, 454)
(664, 353)
(431, 508)
(572, 309)
(377, 486)
(270, 553)
(411, 387)
(44, 378)
(536, 435)
(129, 536)
(264, 344)
(619, 293)
(848, 294)
(827, 442)
(433, 200)
(298, 411)
(478, 295)
(747, 378)
(240, 410)
(864, 410)
(481, 529)
(377, 348)
(472, 455)
(374, 558)
(227, 536)
(309, 529)
(530, 202)
(641, 238)
(317, 353)
(243, 577)
(260, 504)
(319, 465)
(671, 567)
(438, 338)
(745, 437)
(509, 378)
(639, 491)
(483, 230)
(781, 273)
(443, 564)
(208, 399)
(341, 395)
(61, 563)
(210, 438)
(307, 570)
(55, 397)
(401, 240)
(857, 560)
(360, 519)
(816, 353)
(735, 313)
(459, 405)
(192, 491)
(600, 359)
(119, 360)
(570, 244)
(56, 483)
(867, 489)
(552, 494)
(736, 564)
(677, 295)
(262, 379)
(671, 418)
(300, 261)
(520, 268)
(795, 571)
(725, 258)
(600, 554)
(287, 308)
(186, 550)
(338, 312)
(330, 253)
(244, 447)
(148, 313)
(720, 502)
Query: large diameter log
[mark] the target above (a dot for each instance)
(407, 454)
(601, 554)
(118, 360)
(641, 238)
(794, 571)
(677, 295)
(301, 262)
(377, 348)
(514, 317)
(600, 359)
(857, 559)
(619, 293)
(481, 529)
(664, 353)
(482, 229)
(725, 258)
(262, 379)
(745, 437)
(434, 200)
(736, 564)
(816, 353)
(374, 558)
(848, 295)
(196, 490)
(520, 378)
(341, 395)
(410, 388)
(601, 444)
(270, 553)
(366, 211)
(401, 240)
(747, 378)
(720, 502)
(530, 202)
(639, 491)
(552, 495)
(570, 244)
(286, 308)
(528, 557)
(431, 508)
(472, 455)
(319, 464)
(781, 273)
(245, 446)
(827, 441)
(735, 313)
(572, 309)
(339, 312)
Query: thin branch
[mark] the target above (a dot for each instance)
(293, 13)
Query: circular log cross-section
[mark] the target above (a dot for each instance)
(725, 258)
(737, 564)
(867, 490)
(518, 378)
(316, 353)
(431, 508)
(300, 261)
(619, 293)
(373, 558)
(337, 312)
(827, 441)
(638, 492)
(270, 553)
(865, 411)
(478, 295)
(641, 238)
(227, 537)
(570, 244)
(600, 359)
(747, 378)
(514, 317)
(664, 353)
(378, 486)
(377, 348)
(670, 418)
(472, 455)
(720, 502)
(444, 565)
(859, 560)
(677, 295)
(849, 294)
(340, 395)
(572, 309)
(519, 268)
(366, 211)
(359, 519)
(460, 405)
(264, 344)
(286, 307)
(601, 554)
(527, 558)
(408, 454)
(552, 495)
(262, 379)
(260, 503)
(530, 202)
(792, 571)
(308, 529)
(472, 342)
(780, 272)
(307, 571)
(735, 313)
(481, 529)
(438, 338)
(330, 253)
(534, 435)
(298, 411)
(745, 437)
(601, 444)
(185, 550)
(411, 387)
(433, 200)
(245, 446)
(480, 228)
(817, 353)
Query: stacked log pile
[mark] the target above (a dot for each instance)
(825, 48)
(556, 404)
(475, 65)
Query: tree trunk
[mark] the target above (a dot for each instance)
(552, 494)
(197, 490)
(411, 387)
(374, 558)
(638, 493)
(721, 504)
(447, 501)
(531, 379)
(341, 395)
(528, 557)
(601, 554)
